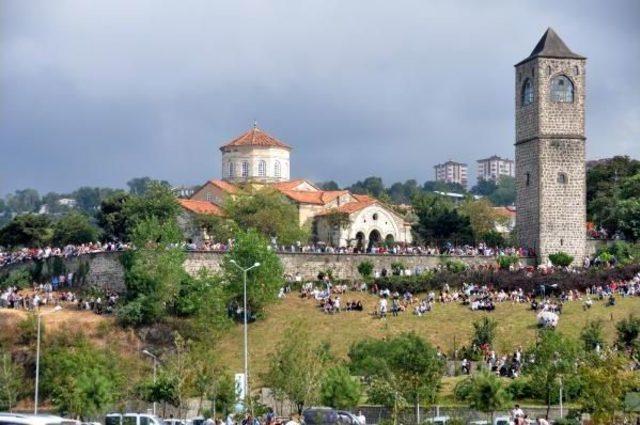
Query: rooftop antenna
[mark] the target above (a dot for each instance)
(253, 133)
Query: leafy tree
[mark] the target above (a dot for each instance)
(208, 379)
(484, 391)
(555, 358)
(628, 218)
(270, 213)
(220, 229)
(591, 335)
(561, 259)
(263, 282)
(112, 218)
(436, 186)
(157, 202)
(403, 193)
(438, 220)
(88, 199)
(328, 185)
(506, 261)
(401, 368)
(30, 230)
(140, 185)
(11, 382)
(365, 268)
(24, 201)
(484, 331)
(628, 331)
(484, 187)
(482, 217)
(80, 379)
(339, 389)
(153, 272)
(493, 238)
(74, 228)
(605, 381)
(370, 186)
(296, 368)
(505, 194)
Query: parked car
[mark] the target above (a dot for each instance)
(141, 419)
(113, 419)
(173, 421)
(502, 420)
(438, 420)
(25, 419)
(328, 416)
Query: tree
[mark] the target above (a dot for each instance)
(263, 282)
(438, 220)
(628, 331)
(140, 185)
(561, 259)
(219, 229)
(11, 381)
(484, 187)
(339, 389)
(403, 193)
(29, 230)
(482, 217)
(484, 331)
(153, 272)
(80, 379)
(365, 268)
(484, 391)
(157, 202)
(404, 365)
(270, 213)
(112, 218)
(605, 381)
(24, 201)
(296, 368)
(74, 228)
(505, 194)
(328, 185)
(554, 358)
(591, 335)
(436, 186)
(88, 199)
(372, 186)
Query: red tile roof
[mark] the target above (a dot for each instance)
(255, 137)
(291, 185)
(225, 186)
(201, 207)
(350, 208)
(304, 196)
(505, 211)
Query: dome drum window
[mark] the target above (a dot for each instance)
(561, 90)
(527, 93)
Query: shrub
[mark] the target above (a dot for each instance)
(484, 331)
(628, 331)
(591, 335)
(561, 259)
(20, 278)
(493, 239)
(397, 268)
(506, 261)
(365, 268)
(605, 257)
(455, 266)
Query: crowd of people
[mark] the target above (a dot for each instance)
(30, 254)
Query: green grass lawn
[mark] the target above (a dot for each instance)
(445, 326)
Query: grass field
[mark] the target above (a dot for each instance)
(446, 326)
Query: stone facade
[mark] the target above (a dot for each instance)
(550, 153)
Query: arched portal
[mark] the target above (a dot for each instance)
(359, 242)
(374, 239)
(389, 239)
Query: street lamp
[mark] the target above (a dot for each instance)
(246, 338)
(35, 397)
(155, 367)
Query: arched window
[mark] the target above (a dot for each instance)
(562, 178)
(245, 168)
(276, 169)
(527, 92)
(262, 168)
(232, 169)
(561, 89)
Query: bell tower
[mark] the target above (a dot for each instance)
(550, 150)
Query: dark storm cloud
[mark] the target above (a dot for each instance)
(93, 93)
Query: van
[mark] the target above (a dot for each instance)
(25, 419)
(141, 419)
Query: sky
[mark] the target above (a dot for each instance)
(94, 93)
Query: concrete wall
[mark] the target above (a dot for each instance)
(105, 269)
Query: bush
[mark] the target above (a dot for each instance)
(455, 266)
(397, 268)
(365, 268)
(506, 261)
(20, 278)
(561, 259)
(484, 331)
(493, 239)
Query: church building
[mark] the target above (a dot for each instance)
(258, 160)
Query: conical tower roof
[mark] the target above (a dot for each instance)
(551, 46)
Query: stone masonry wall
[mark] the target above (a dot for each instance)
(105, 269)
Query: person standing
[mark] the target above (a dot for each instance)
(361, 418)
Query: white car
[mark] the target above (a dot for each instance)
(23, 419)
(141, 419)
(438, 420)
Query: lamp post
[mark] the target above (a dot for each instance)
(246, 338)
(155, 367)
(35, 396)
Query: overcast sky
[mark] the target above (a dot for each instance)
(97, 92)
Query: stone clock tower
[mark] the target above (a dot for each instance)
(550, 150)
